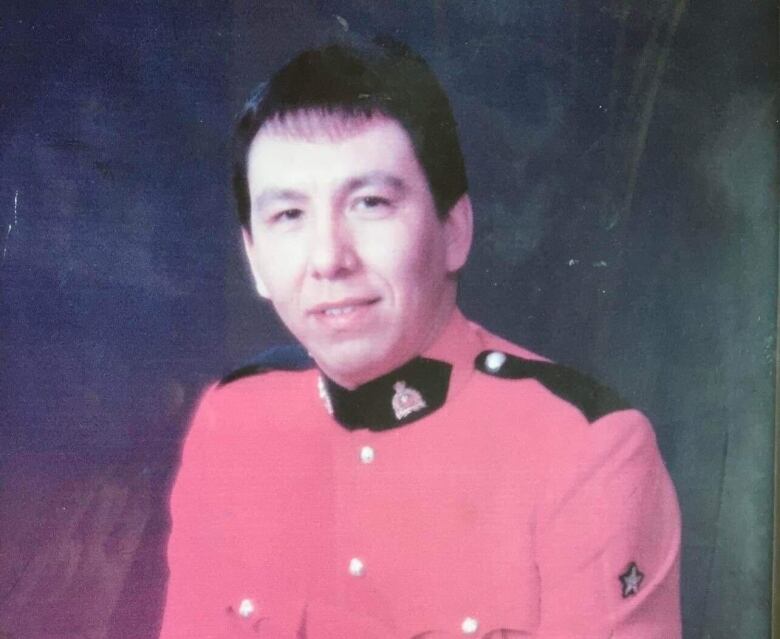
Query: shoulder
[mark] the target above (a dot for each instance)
(270, 385)
(274, 377)
(503, 360)
(288, 358)
(592, 399)
(566, 415)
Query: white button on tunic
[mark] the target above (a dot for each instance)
(469, 626)
(356, 567)
(366, 454)
(494, 361)
(246, 608)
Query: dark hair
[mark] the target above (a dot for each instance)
(382, 78)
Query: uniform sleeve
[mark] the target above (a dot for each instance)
(608, 536)
(214, 589)
(197, 575)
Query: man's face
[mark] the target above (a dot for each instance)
(346, 243)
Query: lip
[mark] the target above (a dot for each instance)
(345, 315)
(343, 305)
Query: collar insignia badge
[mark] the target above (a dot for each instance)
(324, 395)
(407, 400)
(631, 579)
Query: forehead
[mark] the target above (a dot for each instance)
(319, 147)
(320, 125)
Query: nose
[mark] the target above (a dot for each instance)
(332, 253)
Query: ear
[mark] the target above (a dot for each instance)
(251, 255)
(458, 230)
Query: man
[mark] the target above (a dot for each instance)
(406, 473)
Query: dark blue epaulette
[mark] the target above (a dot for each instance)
(278, 358)
(592, 399)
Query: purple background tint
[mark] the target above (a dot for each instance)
(623, 170)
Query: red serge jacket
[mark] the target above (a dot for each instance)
(476, 491)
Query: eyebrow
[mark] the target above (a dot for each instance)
(374, 178)
(369, 179)
(271, 195)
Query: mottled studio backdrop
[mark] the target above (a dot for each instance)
(622, 157)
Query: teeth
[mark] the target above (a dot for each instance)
(342, 310)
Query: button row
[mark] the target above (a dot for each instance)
(357, 568)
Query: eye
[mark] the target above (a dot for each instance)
(371, 202)
(288, 215)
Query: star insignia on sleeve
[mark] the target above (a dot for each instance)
(630, 580)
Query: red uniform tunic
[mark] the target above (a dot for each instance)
(515, 497)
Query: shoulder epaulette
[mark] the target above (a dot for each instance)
(278, 358)
(592, 399)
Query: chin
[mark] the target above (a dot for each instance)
(356, 363)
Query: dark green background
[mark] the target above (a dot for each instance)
(623, 163)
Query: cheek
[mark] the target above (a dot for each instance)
(279, 267)
(408, 261)
(426, 252)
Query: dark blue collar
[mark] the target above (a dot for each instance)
(400, 397)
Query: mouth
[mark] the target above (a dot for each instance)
(342, 308)
(338, 310)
